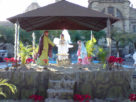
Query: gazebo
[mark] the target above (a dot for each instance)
(62, 15)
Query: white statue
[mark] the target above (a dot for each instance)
(63, 45)
(66, 36)
(134, 57)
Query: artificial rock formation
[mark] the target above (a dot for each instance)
(98, 84)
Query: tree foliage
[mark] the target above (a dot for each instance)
(26, 37)
(122, 38)
(84, 35)
(7, 34)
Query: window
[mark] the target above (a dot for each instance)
(103, 11)
(134, 28)
(119, 14)
(111, 10)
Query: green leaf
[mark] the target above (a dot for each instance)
(4, 82)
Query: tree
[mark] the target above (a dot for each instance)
(7, 33)
(122, 38)
(129, 39)
(26, 37)
(85, 35)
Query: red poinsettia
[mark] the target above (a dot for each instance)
(45, 60)
(132, 97)
(87, 97)
(10, 60)
(36, 98)
(6, 59)
(119, 60)
(112, 59)
(81, 98)
(29, 60)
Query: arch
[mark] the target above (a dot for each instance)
(119, 14)
(103, 10)
(134, 28)
(111, 10)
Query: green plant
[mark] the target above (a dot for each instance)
(36, 49)
(4, 82)
(102, 55)
(25, 52)
(35, 52)
(90, 46)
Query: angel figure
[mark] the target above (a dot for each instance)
(63, 49)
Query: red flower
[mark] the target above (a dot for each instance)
(36, 98)
(81, 98)
(87, 97)
(32, 96)
(45, 60)
(29, 60)
(13, 60)
(40, 98)
(112, 59)
(6, 59)
(119, 60)
(132, 97)
(10, 60)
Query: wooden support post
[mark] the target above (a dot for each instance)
(109, 41)
(16, 43)
(33, 36)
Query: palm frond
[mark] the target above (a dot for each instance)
(25, 52)
(2, 93)
(4, 82)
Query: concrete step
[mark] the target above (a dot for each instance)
(60, 93)
(56, 81)
(57, 100)
(59, 84)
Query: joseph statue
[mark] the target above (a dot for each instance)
(45, 49)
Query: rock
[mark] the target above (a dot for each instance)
(98, 100)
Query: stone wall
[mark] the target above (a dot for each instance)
(98, 84)
(105, 84)
(27, 83)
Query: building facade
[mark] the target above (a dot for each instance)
(122, 9)
(58, 0)
(32, 6)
